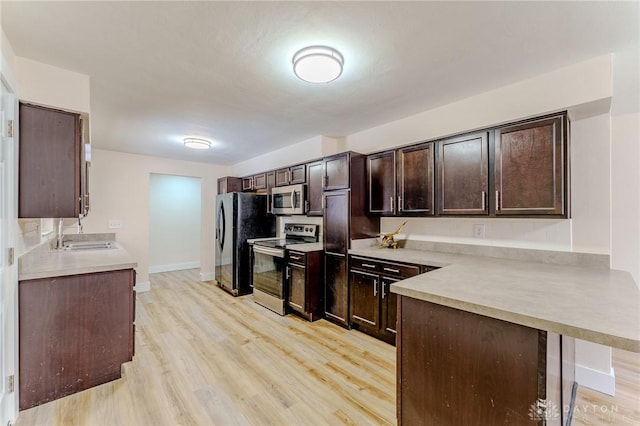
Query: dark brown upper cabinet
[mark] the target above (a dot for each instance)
(291, 175)
(336, 171)
(50, 163)
(381, 183)
(255, 182)
(315, 180)
(530, 168)
(415, 180)
(462, 178)
(229, 184)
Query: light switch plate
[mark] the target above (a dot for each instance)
(478, 231)
(115, 224)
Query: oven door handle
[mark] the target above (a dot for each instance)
(268, 251)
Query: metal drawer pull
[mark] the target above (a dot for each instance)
(295, 257)
(391, 201)
(497, 200)
(483, 201)
(375, 288)
(368, 265)
(395, 271)
(383, 292)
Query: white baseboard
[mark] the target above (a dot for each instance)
(142, 287)
(207, 276)
(596, 379)
(173, 267)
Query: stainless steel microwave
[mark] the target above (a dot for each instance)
(288, 199)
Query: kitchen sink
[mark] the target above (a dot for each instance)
(88, 245)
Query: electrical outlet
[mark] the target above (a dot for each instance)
(115, 224)
(478, 231)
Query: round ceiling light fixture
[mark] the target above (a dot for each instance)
(318, 64)
(197, 143)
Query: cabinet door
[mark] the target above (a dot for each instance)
(260, 181)
(282, 177)
(247, 183)
(49, 163)
(315, 175)
(336, 294)
(296, 286)
(415, 180)
(298, 174)
(336, 170)
(364, 301)
(229, 184)
(381, 183)
(336, 222)
(75, 332)
(530, 168)
(271, 182)
(462, 175)
(389, 314)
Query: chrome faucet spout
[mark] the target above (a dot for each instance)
(60, 241)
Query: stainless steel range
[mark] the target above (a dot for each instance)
(269, 263)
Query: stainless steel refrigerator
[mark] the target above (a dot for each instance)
(239, 216)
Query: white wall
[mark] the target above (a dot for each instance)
(174, 222)
(625, 194)
(48, 85)
(120, 191)
(310, 149)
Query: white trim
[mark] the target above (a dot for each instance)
(142, 287)
(596, 379)
(207, 276)
(173, 267)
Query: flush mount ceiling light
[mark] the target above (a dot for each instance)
(197, 143)
(318, 64)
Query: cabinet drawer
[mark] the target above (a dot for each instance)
(297, 257)
(364, 264)
(398, 270)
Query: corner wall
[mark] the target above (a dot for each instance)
(120, 190)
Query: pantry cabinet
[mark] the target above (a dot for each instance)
(531, 168)
(51, 164)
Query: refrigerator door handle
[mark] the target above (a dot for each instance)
(223, 231)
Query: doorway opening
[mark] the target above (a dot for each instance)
(175, 226)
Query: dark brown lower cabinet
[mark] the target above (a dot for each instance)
(336, 293)
(305, 283)
(373, 308)
(75, 332)
(461, 368)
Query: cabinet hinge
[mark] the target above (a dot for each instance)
(10, 256)
(11, 384)
(9, 128)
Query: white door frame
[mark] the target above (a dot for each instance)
(8, 272)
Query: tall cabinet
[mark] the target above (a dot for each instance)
(345, 219)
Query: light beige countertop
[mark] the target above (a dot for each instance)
(306, 247)
(596, 304)
(45, 262)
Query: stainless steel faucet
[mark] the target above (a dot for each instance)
(60, 241)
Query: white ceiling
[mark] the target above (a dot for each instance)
(161, 71)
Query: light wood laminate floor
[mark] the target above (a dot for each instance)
(206, 358)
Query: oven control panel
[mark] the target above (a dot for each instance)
(301, 229)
